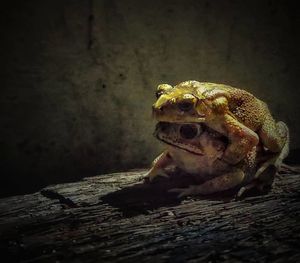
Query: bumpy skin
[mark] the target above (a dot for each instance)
(199, 154)
(233, 112)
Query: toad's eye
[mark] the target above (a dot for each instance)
(158, 94)
(185, 106)
(190, 131)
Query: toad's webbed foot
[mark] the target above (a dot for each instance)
(262, 184)
(182, 192)
(218, 184)
(154, 173)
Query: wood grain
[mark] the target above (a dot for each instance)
(119, 218)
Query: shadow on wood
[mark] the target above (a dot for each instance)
(118, 218)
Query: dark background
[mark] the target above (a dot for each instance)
(78, 77)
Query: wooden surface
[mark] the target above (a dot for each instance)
(118, 218)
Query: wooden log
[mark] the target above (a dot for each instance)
(119, 218)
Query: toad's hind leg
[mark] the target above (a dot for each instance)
(265, 175)
(276, 160)
(273, 135)
(218, 184)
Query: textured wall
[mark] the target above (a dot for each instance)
(78, 77)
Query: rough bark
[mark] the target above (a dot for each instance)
(118, 218)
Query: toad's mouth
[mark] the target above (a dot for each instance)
(181, 146)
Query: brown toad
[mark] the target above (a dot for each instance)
(234, 113)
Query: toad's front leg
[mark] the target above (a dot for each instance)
(158, 166)
(241, 138)
(218, 184)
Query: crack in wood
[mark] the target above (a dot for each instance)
(56, 196)
(126, 220)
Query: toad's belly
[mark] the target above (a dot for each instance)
(197, 164)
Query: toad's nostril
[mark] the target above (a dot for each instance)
(188, 131)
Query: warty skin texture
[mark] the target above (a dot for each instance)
(256, 144)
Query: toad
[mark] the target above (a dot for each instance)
(233, 113)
